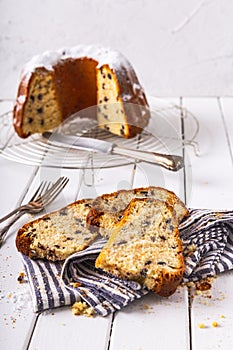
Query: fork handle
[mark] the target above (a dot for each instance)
(19, 209)
(5, 229)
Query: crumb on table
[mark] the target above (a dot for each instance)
(21, 277)
(81, 308)
(201, 325)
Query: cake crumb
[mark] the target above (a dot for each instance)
(215, 324)
(81, 308)
(75, 284)
(21, 278)
(201, 325)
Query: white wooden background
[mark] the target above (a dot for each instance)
(178, 48)
(152, 322)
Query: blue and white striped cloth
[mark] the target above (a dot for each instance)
(208, 250)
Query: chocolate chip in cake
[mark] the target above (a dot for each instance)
(63, 212)
(40, 110)
(148, 262)
(42, 122)
(105, 116)
(78, 220)
(39, 245)
(122, 242)
(32, 98)
(109, 76)
(78, 232)
(103, 86)
(88, 205)
(162, 237)
(144, 193)
(40, 97)
(161, 263)
(143, 272)
(30, 120)
(106, 127)
(105, 99)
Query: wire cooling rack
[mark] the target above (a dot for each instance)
(165, 134)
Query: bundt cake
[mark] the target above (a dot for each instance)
(58, 84)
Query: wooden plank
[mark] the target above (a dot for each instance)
(211, 187)
(69, 330)
(152, 322)
(226, 108)
(61, 329)
(211, 184)
(19, 182)
(142, 324)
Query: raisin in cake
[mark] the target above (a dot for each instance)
(107, 209)
(145, 247)
(58, 84)
(57, 235)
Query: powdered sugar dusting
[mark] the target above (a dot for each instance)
(102, 55)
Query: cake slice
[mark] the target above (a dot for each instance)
(145, 247)
(118, 111)
(57, 235)
(107, 209)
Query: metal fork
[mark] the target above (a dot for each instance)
(44, 195)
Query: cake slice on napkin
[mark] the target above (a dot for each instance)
(57, 235)
(145, 246)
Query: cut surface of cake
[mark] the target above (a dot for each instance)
(145, 247)
(107, 209)
(99, 82)
(57, 235)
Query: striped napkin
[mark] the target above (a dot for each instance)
(207, 237)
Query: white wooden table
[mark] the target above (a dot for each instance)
(152, 322)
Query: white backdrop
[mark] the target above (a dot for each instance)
(177, 47)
